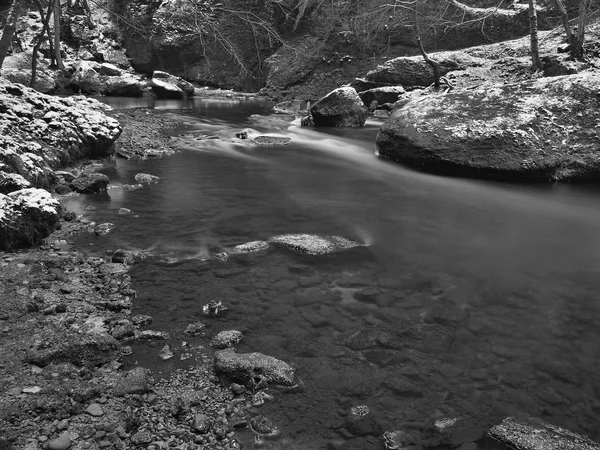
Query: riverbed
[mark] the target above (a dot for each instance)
(510, 273)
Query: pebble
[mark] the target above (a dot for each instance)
(62, 442)
(95, 410)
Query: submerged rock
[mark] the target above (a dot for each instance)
(127, 257)
(251, 247)
(226, 339)
(340, 108)
(271, 140)
(253, 368)
(544, 129)
(524, 432)
(311, 244)
(146, 178)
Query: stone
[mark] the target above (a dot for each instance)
(166, 353)
(109, 70)
(388, 94)
(95, 410)
(137, 381)
(523, 432)
(63, 442)
(90, 183)
(124, 212)
(226, 339)
(253, 368)
(251, 247)
(17, 69)
(361, 422)
(86, 79)
(103, 229)
(214, 308)
(509, 131)
(410, 71)
(269, 141)
(27, 216)
(201, 424)
(146, 178)
(127, 257)
(313, 245)
(340, 108)
(166, 85)
(124, 85)
(264, 426)
(152, 335)
(140, 320)
(195, 329)
(141, 438)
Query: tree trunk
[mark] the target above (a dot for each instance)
(536, 64)
(434, 64)
(565, 20)
(59, 62)
(577, 46)
(40, 39)
(9, 29)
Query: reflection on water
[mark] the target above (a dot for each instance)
(474, 299)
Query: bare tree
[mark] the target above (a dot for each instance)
(40, 37)
(578, 41)
(536, 64)
(56, 14)
(10, 27)
(434, 64)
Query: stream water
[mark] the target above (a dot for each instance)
(511, 271)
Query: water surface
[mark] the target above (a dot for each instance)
(512, 271)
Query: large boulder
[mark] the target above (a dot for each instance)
(253, 368)
(39, 133)
(410, 71)
(26, 217)
(523, 432)
(382, 95)
(544, 129)
(17, 69)
(90, 183)
(340, 108)
(87, 79)
(124, 86)
(166, 85)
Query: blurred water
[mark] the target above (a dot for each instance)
(512, 271)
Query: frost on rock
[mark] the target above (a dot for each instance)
(39, 133)
(26, 217)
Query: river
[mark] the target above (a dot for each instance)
(511, 271)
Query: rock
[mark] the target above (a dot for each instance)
(201, 424)
(310, 244)
(428, 338)
(410, 71)
(63, 442)
(214, 308)
(137, 381)
(264, 426)
(195, 329)
(166, 85)
(103, 229)
(90, 183)
(251, 247)
(340, 108)
(124, 212)
(523, 432)
(141, 438)
(17, 69)
(95, 410)
(362, 84)
(146, 178)
(27, 216)
(80, 349)
(361, 422)
(127, 257)
(109, 70)
(86, 78)
(166, 353)
(268, 141)
(124, 86)
(141, 320)
(226, 339)
(512, 131)
(10, 182)
(253, 368)
(381, 95)
(152, 335)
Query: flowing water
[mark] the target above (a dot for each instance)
(511, 271)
